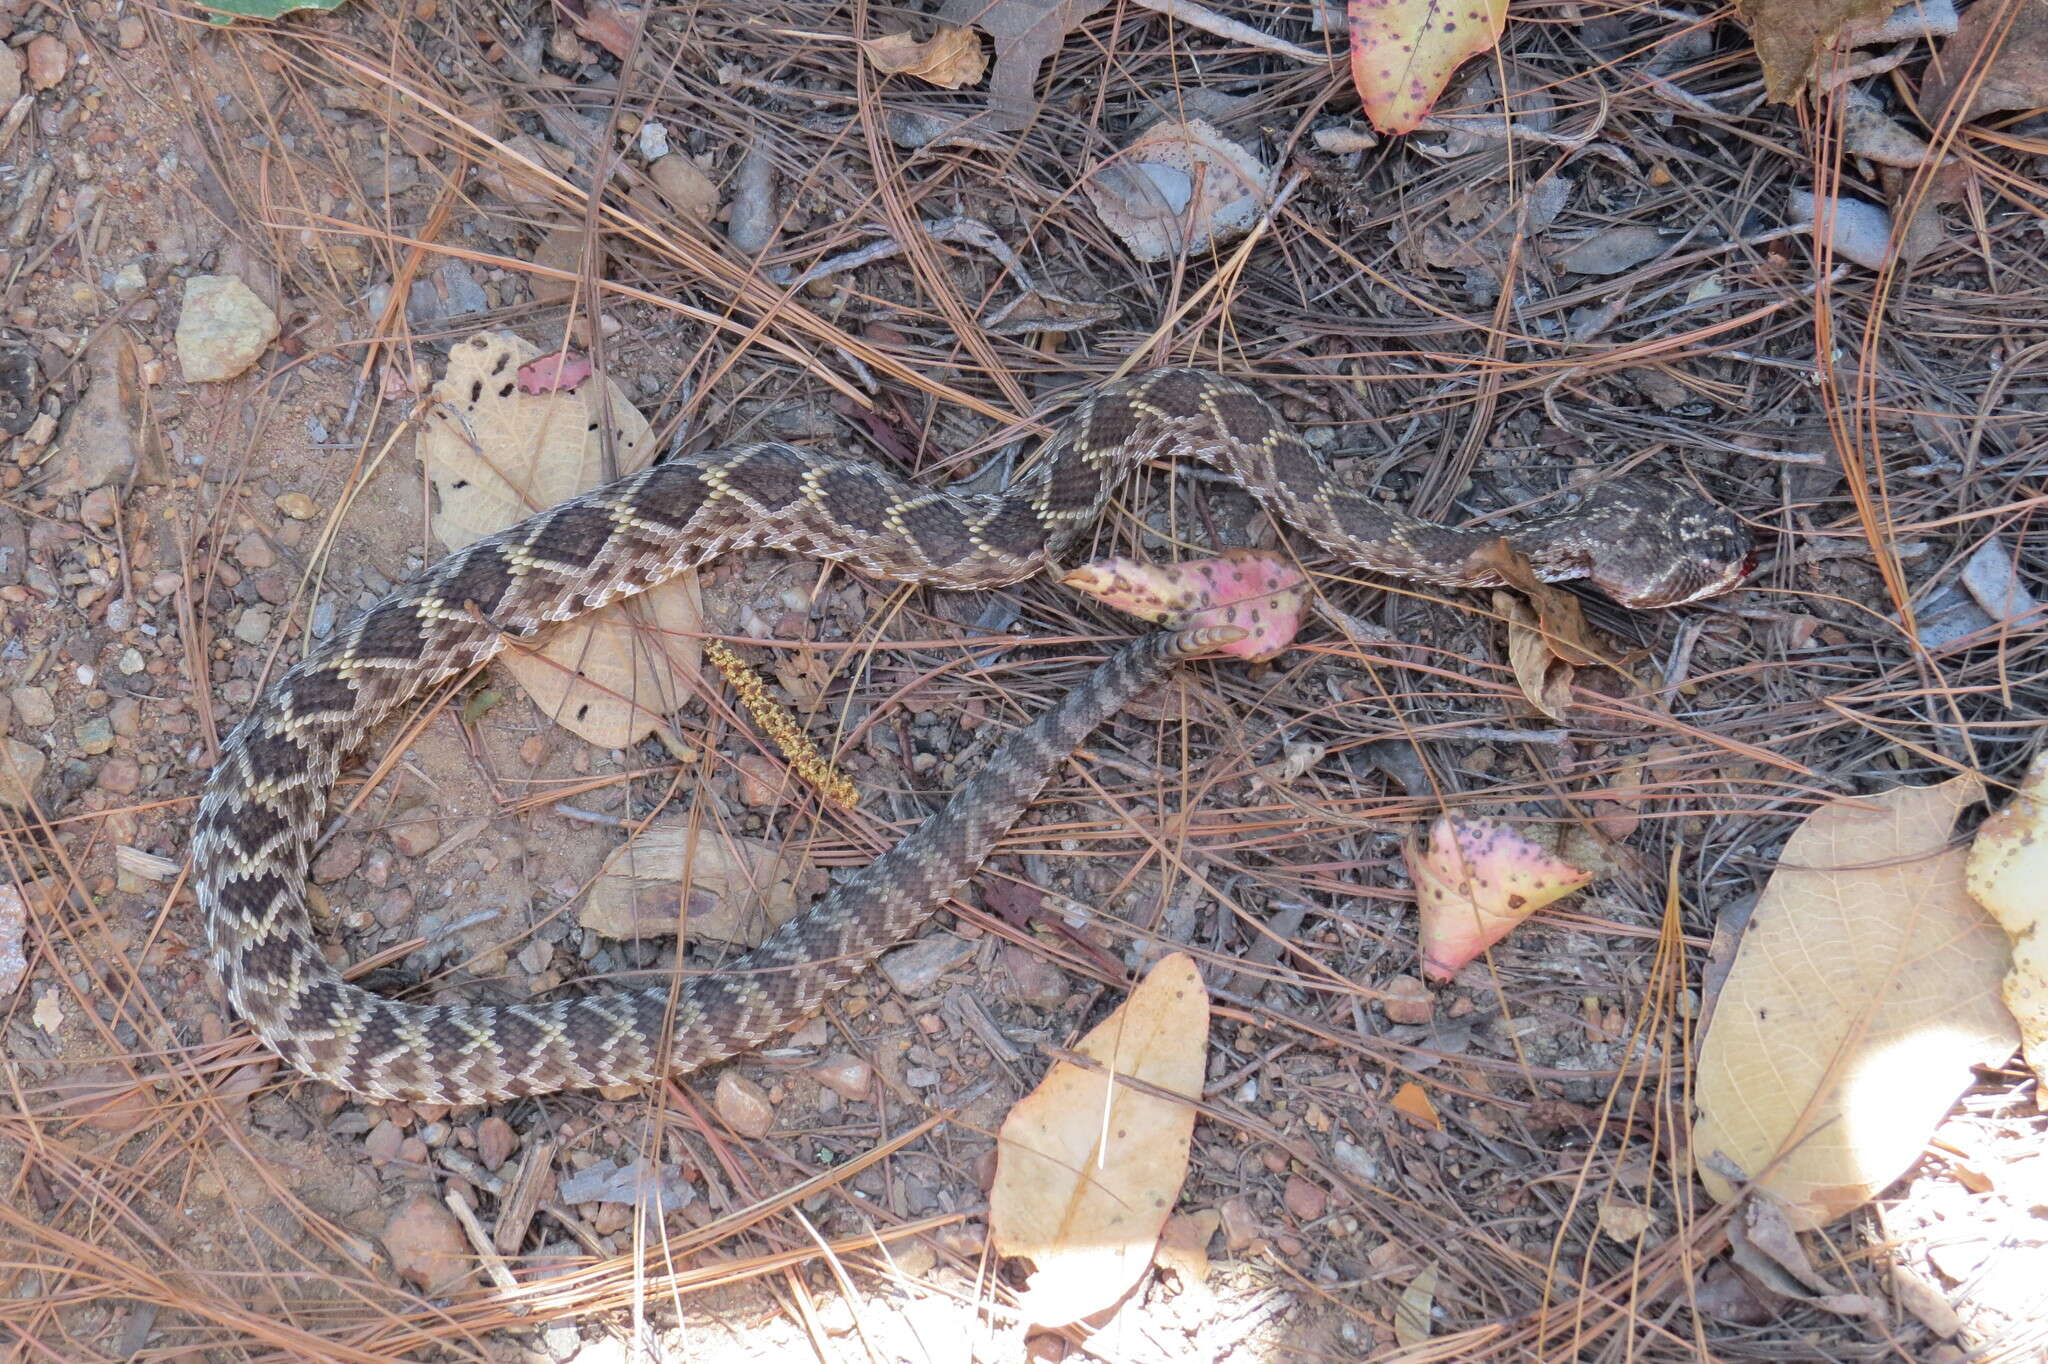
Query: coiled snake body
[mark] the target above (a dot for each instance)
(1646, 543)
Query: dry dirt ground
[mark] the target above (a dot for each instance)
(165, 545)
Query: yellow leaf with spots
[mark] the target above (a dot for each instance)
(1088, 1168)
(1404, 51)
(497, 452)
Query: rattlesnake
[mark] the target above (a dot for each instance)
(1643, 542)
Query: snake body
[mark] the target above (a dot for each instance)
(1644, 542)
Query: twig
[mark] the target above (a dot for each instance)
(1194, 16)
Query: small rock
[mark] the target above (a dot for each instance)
(495, 1141)
(13, 927)
(20, 769)
(130, 663)
(1032, 979)
(10, 75)
(47, 60)
(394, 909)
(298, 506)
(915, 969)
(130, 282)
(426, 1245)
(103, 438)
(762, 781)
(222, 329)
(130, 32)
(536, 955)
(1408, 1000)
(120, 776)
(847, 1076)
(254, 553)
(744, 1105)
(1240, 1224)
(1305, 1199)
(95, 736)
(415, 835)
(338, 859)
(687, 189)
(99, 508)
(254, 625)
(34, 706)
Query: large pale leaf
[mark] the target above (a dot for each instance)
(1404, 51)
(680, 876)
(2008, 875)
(1865, 987)
(1087, 1170)
(496, 453)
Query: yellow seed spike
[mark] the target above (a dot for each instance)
(796, 745)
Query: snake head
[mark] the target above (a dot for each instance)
(1660, 543)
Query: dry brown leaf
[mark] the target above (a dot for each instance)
(1865, 987)
(1404, 51)
(1559, 615)
(1413, 1312)
(1624, 1220)
(1790, 35)
(949, 59)
(1411, 1101)
(1764, 1244)
(1178, 188)
(2006, 873)
(495, 456)
(740, 889)
(2016, 33)
(1026, 32)
(1543, 677)
(1087, 1170)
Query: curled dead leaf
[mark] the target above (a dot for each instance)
(950, 58)
(1179, 188)
(1087, 1169)
(1791, 35)
(1545, 679)
(1025, 32)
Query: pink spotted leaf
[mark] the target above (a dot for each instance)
(1475, 881)
(562, 371)
(1259, 593)
(1404, 51)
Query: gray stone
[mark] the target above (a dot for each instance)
(915, 969)
(95, 736)
(254, 625)
(222, 329)
(20, 769)
(34, 706)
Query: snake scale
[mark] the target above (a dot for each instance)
(1643, 542)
